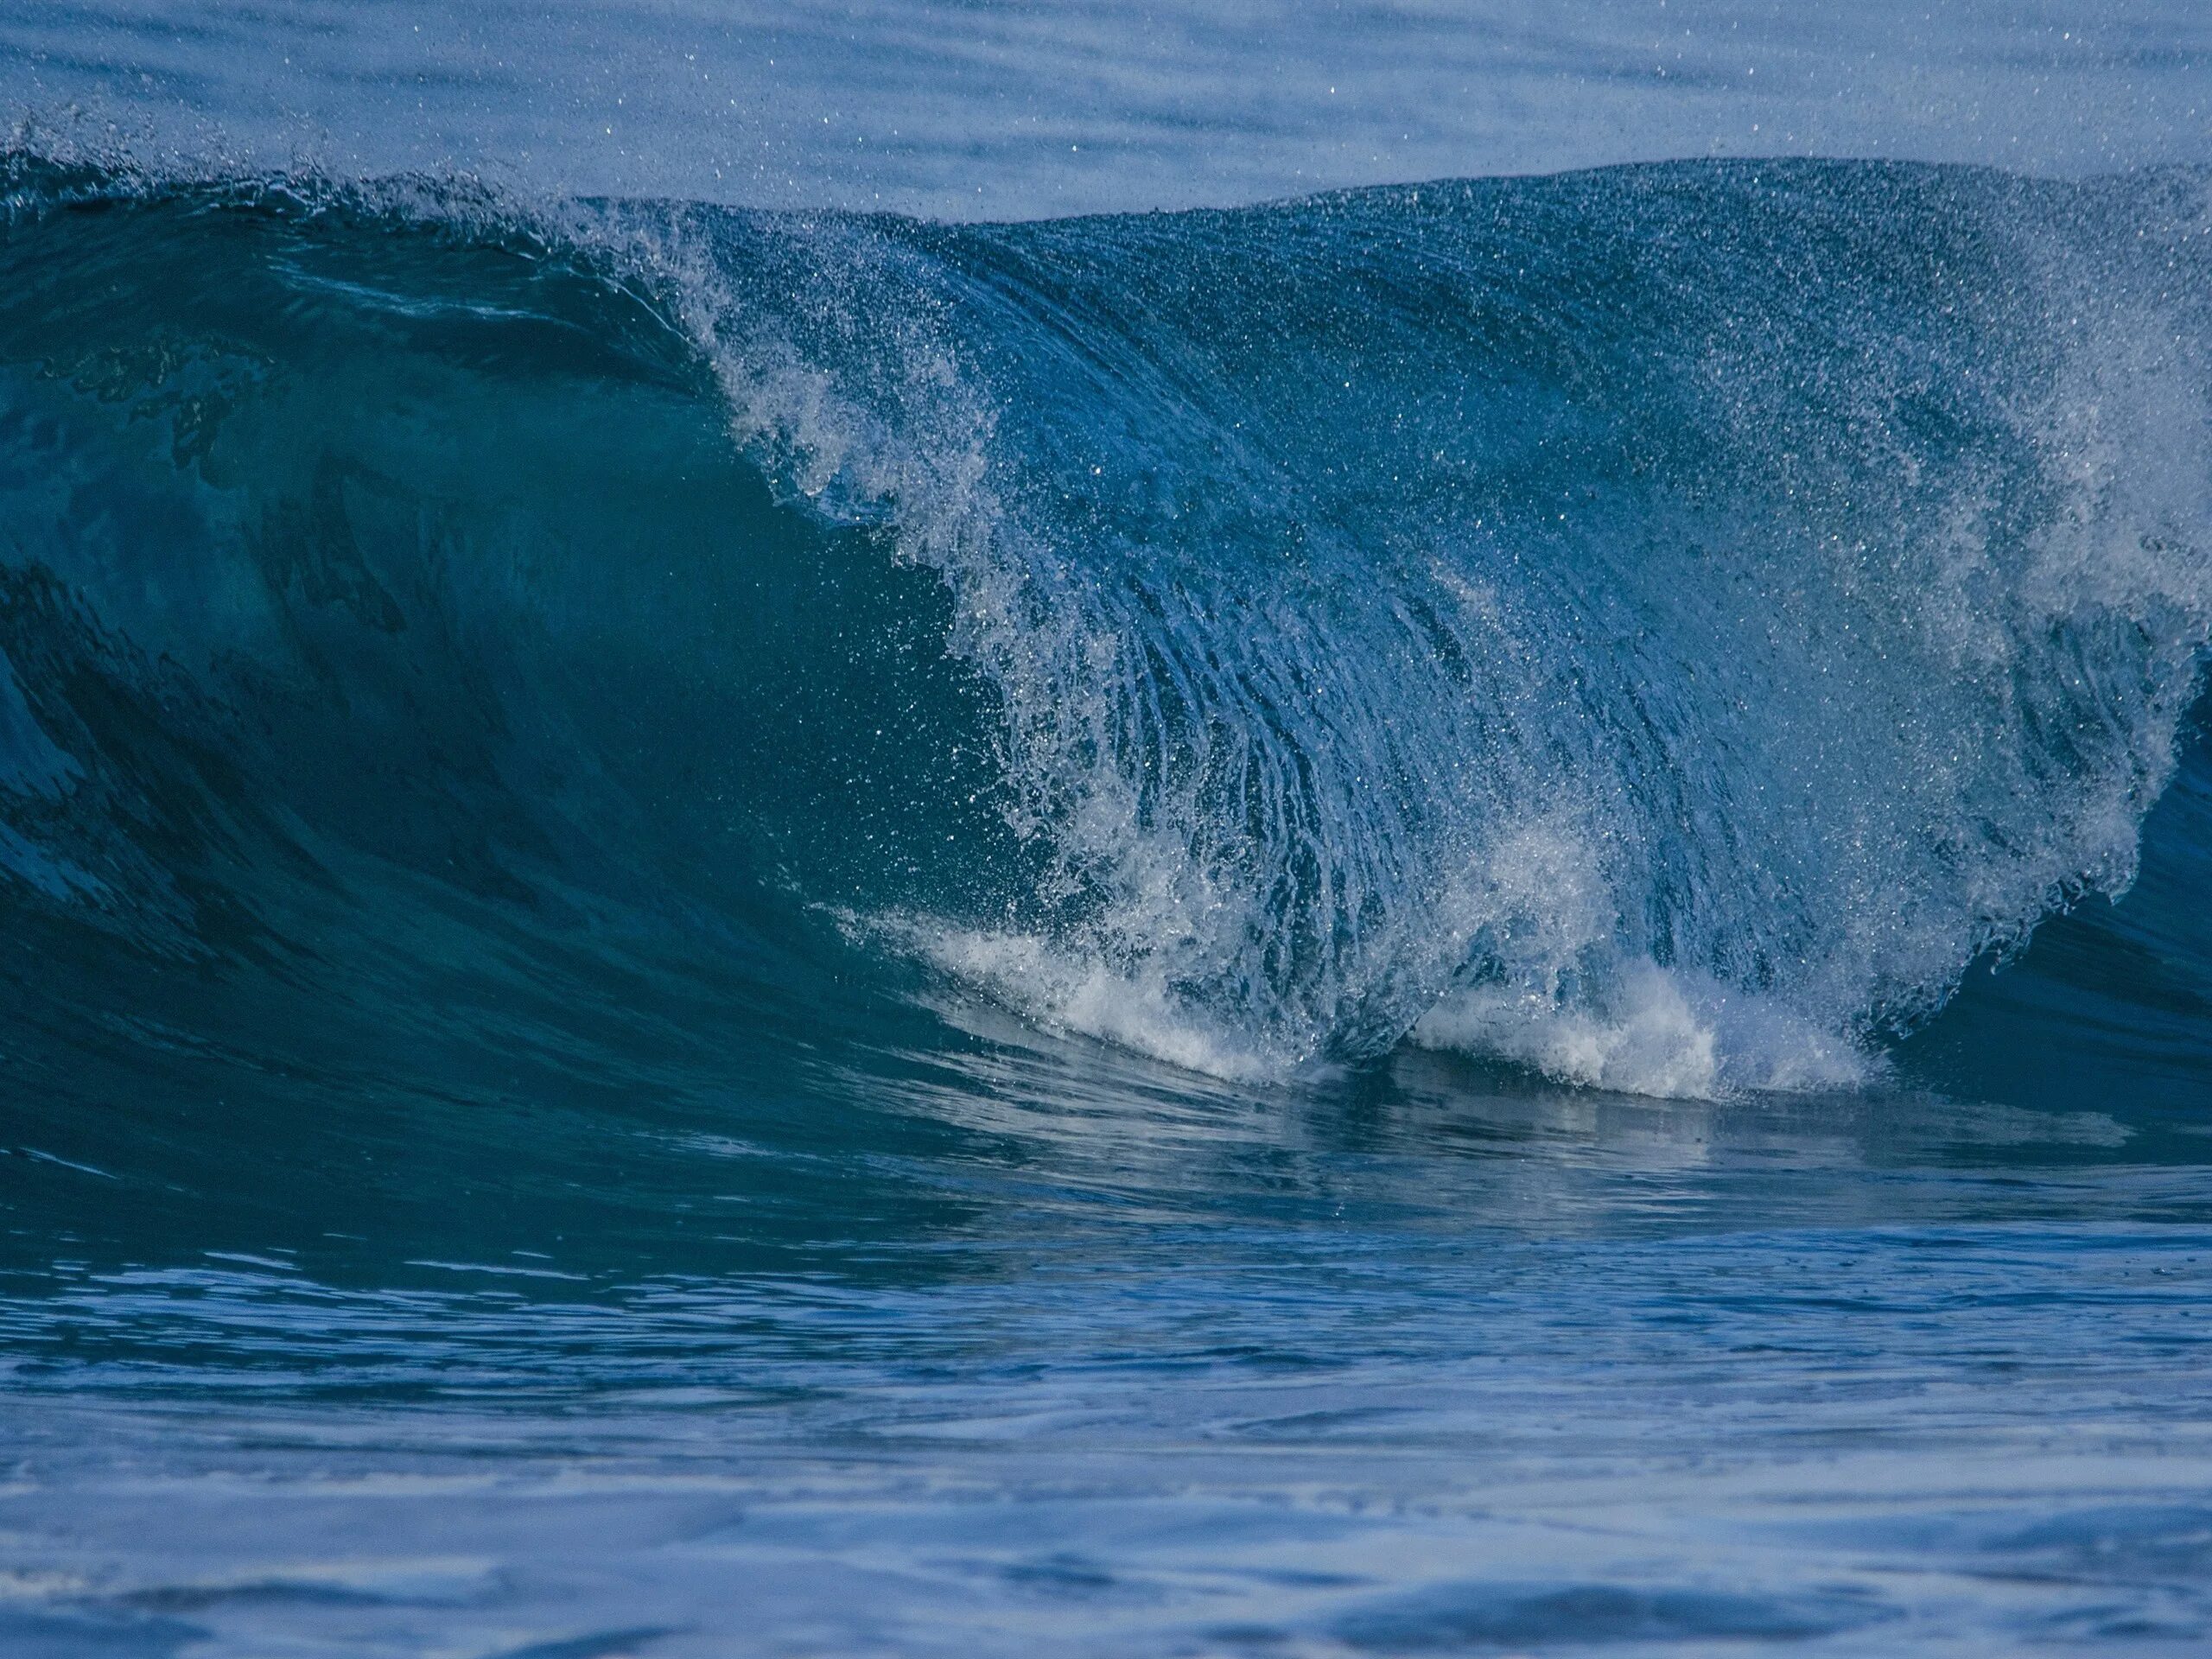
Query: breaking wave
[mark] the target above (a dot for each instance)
(1658, 626)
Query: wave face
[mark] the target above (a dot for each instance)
(1658, 626)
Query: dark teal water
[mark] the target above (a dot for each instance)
(1464, 918)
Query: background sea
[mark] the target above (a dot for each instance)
(1229, 830)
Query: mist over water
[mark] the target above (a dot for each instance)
(1465, 913)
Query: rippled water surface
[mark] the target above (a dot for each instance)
(942, 106)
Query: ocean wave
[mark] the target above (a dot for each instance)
(1657, 626)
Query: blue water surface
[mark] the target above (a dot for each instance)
(798, 857)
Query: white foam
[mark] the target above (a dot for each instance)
(1077, 992)
(1672, 1034)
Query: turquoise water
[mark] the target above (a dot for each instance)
(1461, 917)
